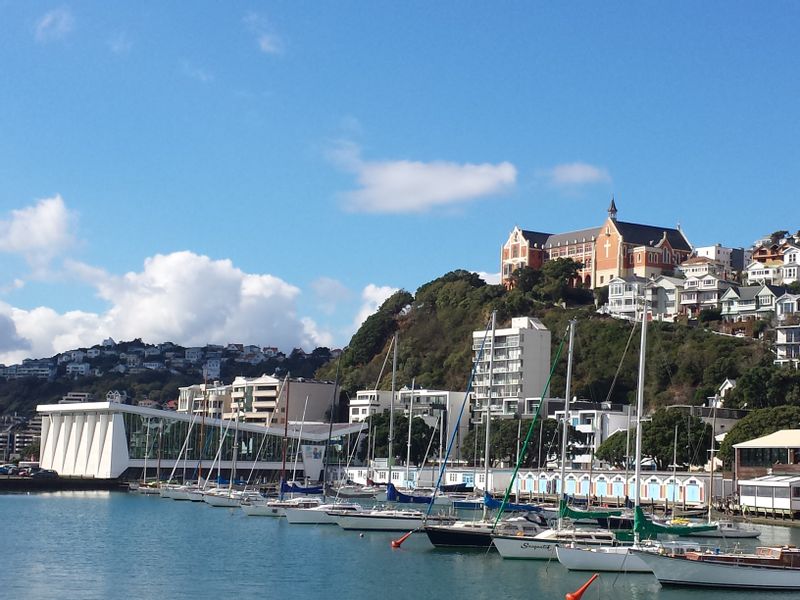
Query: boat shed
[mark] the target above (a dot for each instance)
(775, 454)
(775, 495)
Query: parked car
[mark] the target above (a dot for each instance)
(45, 474)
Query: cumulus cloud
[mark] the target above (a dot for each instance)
(490, 278)
(183, 297)
(266, 39)
(54, 25)
(329, 293)
(372, 297)
(402, 186)
(577, 174)
(38, 233)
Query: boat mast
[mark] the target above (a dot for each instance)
(637, 468)
(285, 433)
(486, 463)
(146, 449)
(711, 481)
(565, 424)
(674, 469)
(330, 428)
(410, 416)
(627, 454)
(391, 413)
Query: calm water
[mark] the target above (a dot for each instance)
(117, 545)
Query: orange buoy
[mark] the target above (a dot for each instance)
(399, 542)
(576, 595)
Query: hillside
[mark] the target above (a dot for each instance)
(684, 364)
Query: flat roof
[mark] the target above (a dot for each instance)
(785, 438)
(313, 432)
(772, 480)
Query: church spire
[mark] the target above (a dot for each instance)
(612, 210)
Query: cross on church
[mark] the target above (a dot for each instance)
(607, 245)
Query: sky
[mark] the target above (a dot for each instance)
(268, 173)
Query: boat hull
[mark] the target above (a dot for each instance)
(219, 501)
(379, 523)
(617, 559)
(693, 573)
(263, 510)
(454, 536)
(525, 548)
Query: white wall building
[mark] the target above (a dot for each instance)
(521, 355)
(787, 345)
(597, 424)
(368, 402)
(664, 295)
(256, 400)
(622, 296)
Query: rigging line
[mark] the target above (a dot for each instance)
(458, 421)
(265, 435)
(621, 360)
(375, 389)
(530, 429)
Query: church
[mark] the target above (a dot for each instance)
(615, 249)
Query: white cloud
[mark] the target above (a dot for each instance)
(54, 25)
(38, 233)
(266, 39)
(490, 278)
(329, 293)
(119, 43)
(577, 174)
(372, 297)
(182, 297)
(403, 186)
(197, 73)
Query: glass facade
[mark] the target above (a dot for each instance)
(763, 457)
(159, 437)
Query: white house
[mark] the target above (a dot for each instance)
(701, 293)
(664, 294)
(791, 264)
(622, 295)
(79, 368)
(758, 272)
(787, 345)
(788, 306)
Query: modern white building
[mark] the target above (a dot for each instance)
(213, 399)
(367, 403)
(597, 423)
(732, 259)
(256, 400)
(521, 365)
(105, 440)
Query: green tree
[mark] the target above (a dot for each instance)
(504, 442)
(758, 423)
(525, 279)
(613, 449)
(658, 438)
(557, 275)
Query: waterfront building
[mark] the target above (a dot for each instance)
(213, 399)
(106, 440)
(614, 249)
(255, 400)
(521, 365)
(367, 403)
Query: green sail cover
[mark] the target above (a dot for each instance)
(647, 529)
(564, 511)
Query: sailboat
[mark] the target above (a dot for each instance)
(542, 545)
(473, 534)
(617, 558)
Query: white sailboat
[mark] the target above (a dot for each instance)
(618, 558)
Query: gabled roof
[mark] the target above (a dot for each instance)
(785, 438)
(776, 290)
(573, 237)
(650, 235)
(535, 237)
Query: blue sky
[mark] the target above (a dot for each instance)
(268, 172)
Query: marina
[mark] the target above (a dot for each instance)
(119, 545)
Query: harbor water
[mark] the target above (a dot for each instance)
(113, 545)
